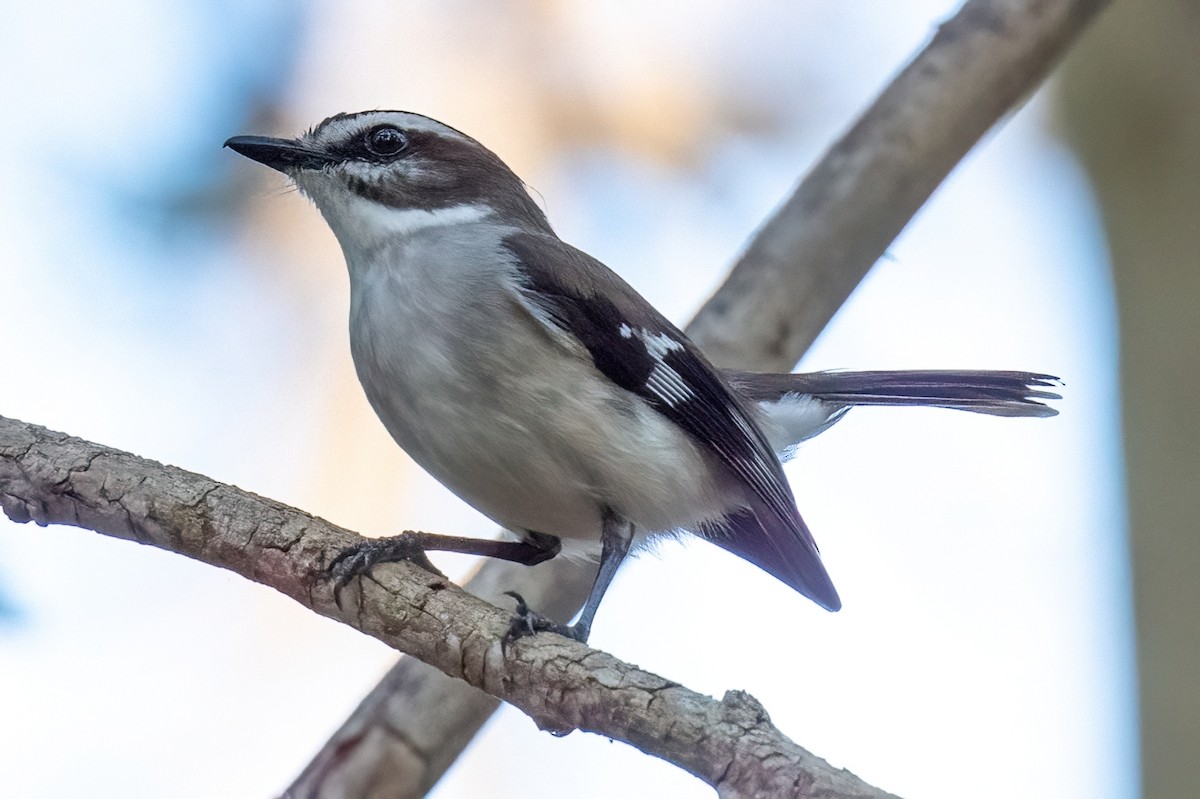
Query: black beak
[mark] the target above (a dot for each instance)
(282, 154)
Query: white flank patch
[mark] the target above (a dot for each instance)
(794, 418)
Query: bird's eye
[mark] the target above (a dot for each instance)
(385, 140)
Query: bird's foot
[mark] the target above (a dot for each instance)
(357, 560)
(530, 622)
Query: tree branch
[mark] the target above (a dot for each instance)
(804, 262)
(796, 272)
(52, 478)
(416, 721)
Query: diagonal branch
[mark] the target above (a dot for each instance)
(52, 478)
(804, 262)
(795, 274)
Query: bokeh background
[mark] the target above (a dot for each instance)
(162, 295)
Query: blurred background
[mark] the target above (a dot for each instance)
(164, 296)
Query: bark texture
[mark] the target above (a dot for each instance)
(53, 478)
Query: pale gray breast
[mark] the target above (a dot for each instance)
(435, 335)
(423, 305)
(510, 418)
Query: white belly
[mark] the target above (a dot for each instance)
(529, 434)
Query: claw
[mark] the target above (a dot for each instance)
(357, 560)
(527, 622)
(520, 625)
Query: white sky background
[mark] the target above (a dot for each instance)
(984, 649)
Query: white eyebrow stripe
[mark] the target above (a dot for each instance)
(359, 123)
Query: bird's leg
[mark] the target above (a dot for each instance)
(411, 546)
(615, 539)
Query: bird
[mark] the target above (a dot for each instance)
(546, 392)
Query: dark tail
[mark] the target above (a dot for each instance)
(786, 551)
(979, 391)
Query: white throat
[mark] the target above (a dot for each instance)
(362, 225)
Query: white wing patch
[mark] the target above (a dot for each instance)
(664, 382)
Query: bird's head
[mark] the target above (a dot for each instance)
(379, 173)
